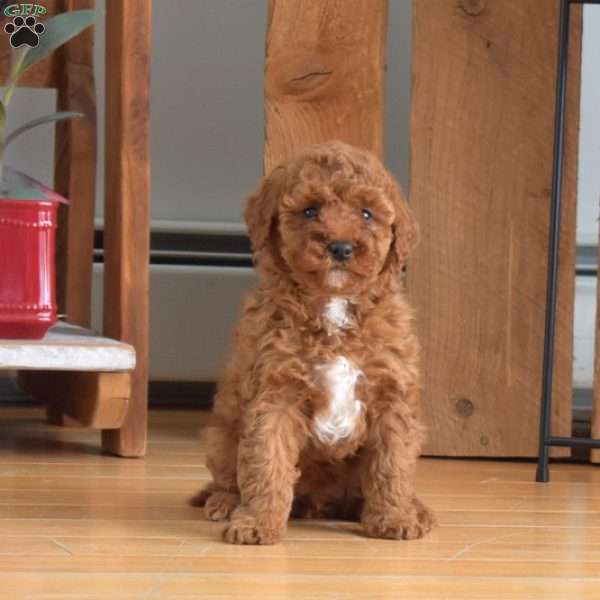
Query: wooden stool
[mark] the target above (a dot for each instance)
(98, 382)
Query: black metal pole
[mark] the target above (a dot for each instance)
(542, 473)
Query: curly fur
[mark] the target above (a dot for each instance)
(317, 412)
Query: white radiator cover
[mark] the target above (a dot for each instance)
(194, 309)
(192, 313)
(584, 328)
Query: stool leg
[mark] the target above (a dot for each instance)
(127, 205)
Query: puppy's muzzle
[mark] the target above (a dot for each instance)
(341, 250)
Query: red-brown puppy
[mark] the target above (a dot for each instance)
(316, 415)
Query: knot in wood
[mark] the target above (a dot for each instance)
(473, 7)
(309, 81)
(464, 407)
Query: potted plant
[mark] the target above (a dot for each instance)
(28, 208)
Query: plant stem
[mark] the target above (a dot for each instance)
(17, 58)
(2, 148)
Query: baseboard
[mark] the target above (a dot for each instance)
(162, 394)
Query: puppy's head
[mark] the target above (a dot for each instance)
(332, 219)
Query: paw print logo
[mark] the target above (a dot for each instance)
(24, 32)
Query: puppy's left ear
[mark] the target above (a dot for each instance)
(405, 227)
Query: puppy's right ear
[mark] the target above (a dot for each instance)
(261, 208)
(405, 228)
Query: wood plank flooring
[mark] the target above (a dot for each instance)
(76, 524)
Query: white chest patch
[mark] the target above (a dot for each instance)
(338, 421)
(337, 314)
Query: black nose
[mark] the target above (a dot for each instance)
(340, 250)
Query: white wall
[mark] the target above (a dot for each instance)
(207, 137)
(589, 137)
(588, 194)
(207, 107)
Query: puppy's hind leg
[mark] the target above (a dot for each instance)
(221, 496)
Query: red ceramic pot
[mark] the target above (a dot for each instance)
(27, 268)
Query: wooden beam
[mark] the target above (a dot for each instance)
(75, 172)
(481, 138)
(324, 74)
(127, 204)
(74, 398)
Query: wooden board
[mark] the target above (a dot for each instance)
(481, 138)
(127, 204)
(67, 348)
(75, 171)
(74, 398)
(323, 74)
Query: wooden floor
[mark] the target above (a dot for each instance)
(75, 524)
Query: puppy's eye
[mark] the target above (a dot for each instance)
(311, 212)
(367, 214)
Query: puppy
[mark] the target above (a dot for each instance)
(316, 415)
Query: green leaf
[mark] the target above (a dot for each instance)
(19, 186)
(59, 116)
(22, 193)
(59, 29)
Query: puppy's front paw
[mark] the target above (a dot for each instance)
(415, 522)
(248, 530)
